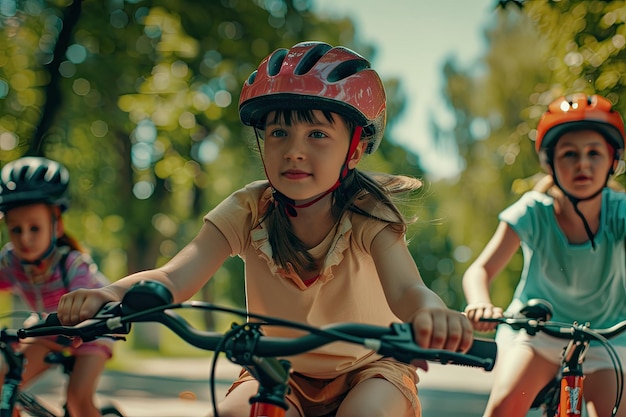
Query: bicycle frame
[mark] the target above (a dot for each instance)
(248, 347)
(13, 378)
(13, 396)
(571, 377)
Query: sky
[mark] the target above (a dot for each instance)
(413, 38)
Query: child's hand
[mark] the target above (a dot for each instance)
(476, 311)
(33, 319)
(82, 304)
(442, 328)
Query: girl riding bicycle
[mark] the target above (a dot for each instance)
(41, 263)
(322, 242)
(573, 242)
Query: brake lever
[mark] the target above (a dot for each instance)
(106, 323)
(108, 316)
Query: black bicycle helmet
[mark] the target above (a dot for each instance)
(30, 180)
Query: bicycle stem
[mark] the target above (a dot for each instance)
(271, 373)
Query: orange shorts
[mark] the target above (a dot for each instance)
(314, 397)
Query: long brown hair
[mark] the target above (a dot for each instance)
(371, 195)
(71, 241)
(65, 239)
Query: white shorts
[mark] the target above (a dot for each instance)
(551, 348)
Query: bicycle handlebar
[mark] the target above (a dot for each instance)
(535, 316)
(560, 330)
(395, 340)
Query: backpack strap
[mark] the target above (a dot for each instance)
(63, 266)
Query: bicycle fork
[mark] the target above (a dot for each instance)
(572, 377)
(571, 395)
(9, 397)
(12, 380)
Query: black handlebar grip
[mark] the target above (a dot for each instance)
(537, 308)
(53, 320)
(484, 348)
(145, 295)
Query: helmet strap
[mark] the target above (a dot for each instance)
(289, 205)
(576, 200)
(46, 254)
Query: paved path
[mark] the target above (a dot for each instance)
(180, 388)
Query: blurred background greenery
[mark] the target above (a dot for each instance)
(138, 99)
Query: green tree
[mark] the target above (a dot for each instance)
(491, 136)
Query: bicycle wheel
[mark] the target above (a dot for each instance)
(111, 411)
(28, 403)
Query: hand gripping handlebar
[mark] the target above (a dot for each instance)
(149, 301)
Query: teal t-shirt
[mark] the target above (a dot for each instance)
(583, 284)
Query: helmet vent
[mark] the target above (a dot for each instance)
(252, 77)
(348, 68)
(40, 175)
(276, 61)
(23, 174)
(311, 57)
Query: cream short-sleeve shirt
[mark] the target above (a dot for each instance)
(347, 290)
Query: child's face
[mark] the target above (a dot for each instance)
(304, 160)
(30, 230)
(582, 160)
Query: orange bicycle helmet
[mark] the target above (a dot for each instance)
(316, 75)
(580, 111)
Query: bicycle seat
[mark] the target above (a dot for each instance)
(536, 308)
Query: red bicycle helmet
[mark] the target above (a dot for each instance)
(316, 75)
(31, 180)
(580, 111)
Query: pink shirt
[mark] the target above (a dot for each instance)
(42, 294)
(348, 289)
